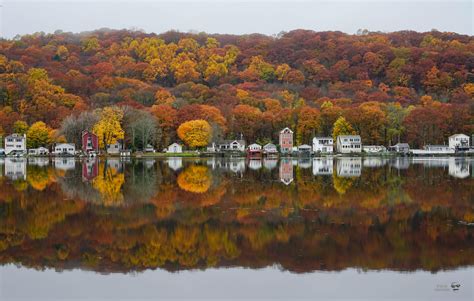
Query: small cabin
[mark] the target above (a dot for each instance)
(402, 148)
(374, 148)
(114, 148)
(149, 148)
(40, 151)
(270, 149)
(65, 149)
(174, 148)
(304, 149)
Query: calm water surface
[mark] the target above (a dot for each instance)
(355, 228)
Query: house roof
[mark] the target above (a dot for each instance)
(255, 144)
(303, 146)
(402, 144)
(68, 144)
(322, 138)
(287, 129)
(349, 136)
(464, 135)
(269, 145)
(86, 132)
(230, 141)
(15, 135)
(174, 143)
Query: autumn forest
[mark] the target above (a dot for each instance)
(391, 87)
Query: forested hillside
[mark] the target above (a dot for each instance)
(403, 86)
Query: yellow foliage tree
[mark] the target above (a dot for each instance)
(195, 133)
(109, 129)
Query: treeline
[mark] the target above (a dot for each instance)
(403, 86)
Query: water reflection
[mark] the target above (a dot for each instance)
(304, 214)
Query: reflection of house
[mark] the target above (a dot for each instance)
(459, 141)
(349, 144)
(38, 161)
(114, 163)
(40, 151)
(286, 140)
(15, 168)
(270, 149)
(64, 163)
(286, 171)
(374, 162)
(323, 144)
(402, 148)
(174, 148)
(64, 149)
(400, 163)
(236, 166)
(304, 163)
(90, 169)
(255, 164)
(349, 167)
(15, 143)
(175, 163)
(374, 148)
(270, 163)
(90, 142)
(459, 168)
(322, 166)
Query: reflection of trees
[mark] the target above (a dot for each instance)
(39, 177)
(195, 179)
(382, 221)
(108, 183)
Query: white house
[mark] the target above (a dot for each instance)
(349, 144)
(254, 147)
(459, 141)
(40, 151)
(323, 144)
(174, 148)
(149, 148)
(232, 145)
(65, 149)
(374, 148)
(15, 143)
(403, 148)
(114, 148)
(270, 149)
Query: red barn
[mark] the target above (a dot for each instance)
(90, 142)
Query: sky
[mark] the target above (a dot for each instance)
(235, 17)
